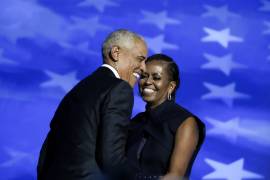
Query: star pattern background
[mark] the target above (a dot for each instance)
(222, 49)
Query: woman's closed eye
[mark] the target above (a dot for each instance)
(156, 78)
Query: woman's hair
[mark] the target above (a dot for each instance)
(172, 68)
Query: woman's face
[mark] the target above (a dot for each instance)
(154, 84)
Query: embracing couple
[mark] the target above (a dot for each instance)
(91, 135)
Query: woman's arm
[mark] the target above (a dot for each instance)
(186, 140)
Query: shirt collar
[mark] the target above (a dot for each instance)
(112, 69)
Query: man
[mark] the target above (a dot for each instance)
(89, 129)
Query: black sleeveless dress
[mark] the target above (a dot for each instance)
(151, 139)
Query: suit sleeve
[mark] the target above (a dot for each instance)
(114, 126)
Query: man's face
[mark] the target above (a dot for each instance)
(132, 62)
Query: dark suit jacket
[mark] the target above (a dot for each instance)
(89, 130)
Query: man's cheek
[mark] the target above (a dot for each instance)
(133, 82)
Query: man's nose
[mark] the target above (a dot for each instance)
(143, 67)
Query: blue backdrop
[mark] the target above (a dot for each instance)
(222, 48)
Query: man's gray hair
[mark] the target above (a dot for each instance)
(121, 38)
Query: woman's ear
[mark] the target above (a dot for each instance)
(114, 53)
(172, 87)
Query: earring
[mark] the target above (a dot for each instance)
(169, 96)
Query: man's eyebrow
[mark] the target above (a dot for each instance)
(142, 57)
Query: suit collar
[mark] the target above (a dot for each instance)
(112, 69)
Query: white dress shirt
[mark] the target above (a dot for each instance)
(112, 69)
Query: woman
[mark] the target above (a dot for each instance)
(165, 139)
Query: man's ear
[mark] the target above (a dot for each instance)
(114, 53)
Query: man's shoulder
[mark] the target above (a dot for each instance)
(106, 77)
(122, 86)
(103, 75)
(99, 85)
(99, 79)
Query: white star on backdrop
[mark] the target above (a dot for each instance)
(230, 129)
(221, 13)
(226, 93)
(223, 37)
(100, 5)
(29, 19)
(4, 60)
(15, 31)
(232, 171)
(66, 81)
(16, 157)
(82, 47)
(266, 5)
(159, 19)
(224, 63)
(267, 31)
(157, 44)
(90, 26)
